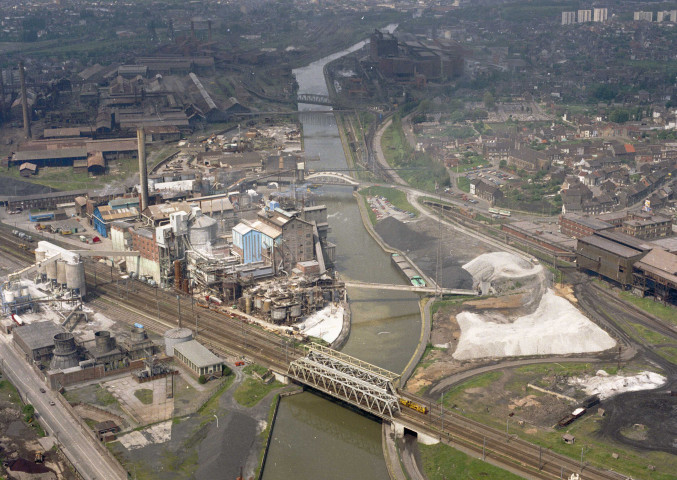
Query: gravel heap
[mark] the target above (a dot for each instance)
(546, 325)
(499, 272)
(555, 328)
(606, 385)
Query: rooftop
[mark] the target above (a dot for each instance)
(38, 335)
(197, 353)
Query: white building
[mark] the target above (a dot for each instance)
(600, 14)
(643, 16)
(584, 16)
(568, 18)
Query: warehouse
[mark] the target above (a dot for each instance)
(656, 275)
(611, 255)
(198, 358)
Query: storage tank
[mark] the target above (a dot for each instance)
(278, 314)
(203, 230)
(9, 296)
(174, 337)
(40, 255)
(65, 352)
(61, 272)
(138, 334)
(103, 341)
(248, 304)
(24, 291)
(266, 305)
(50, 271)
(75, 277)
(258, 302)
(295, 310)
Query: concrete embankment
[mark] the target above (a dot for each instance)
(343, 337)
(272, 426)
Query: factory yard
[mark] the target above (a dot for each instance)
(158, 407)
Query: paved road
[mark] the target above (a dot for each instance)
(77, 445)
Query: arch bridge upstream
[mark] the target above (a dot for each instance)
(347, 378)
(332, 178)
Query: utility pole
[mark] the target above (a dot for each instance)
(178, 301)
(442, 411)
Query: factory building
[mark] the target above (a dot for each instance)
(198, 359)
(36, 340)
(296, 243)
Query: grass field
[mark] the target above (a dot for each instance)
(664, 312)
(598, 451)
(442, 462)
(418, 169)
(144, 395)
(463, 184)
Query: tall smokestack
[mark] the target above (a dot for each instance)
(192, 29)
(209, 25)
(143, 172)
(24, 101)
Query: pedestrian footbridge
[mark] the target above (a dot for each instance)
(347, 378)
(411, 288)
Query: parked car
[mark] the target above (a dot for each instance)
(42, 390)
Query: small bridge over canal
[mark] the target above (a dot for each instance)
(411, 288)
(349, 379)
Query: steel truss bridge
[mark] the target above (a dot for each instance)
(347, 378)
(313, 99)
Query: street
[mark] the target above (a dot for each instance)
(77, 445)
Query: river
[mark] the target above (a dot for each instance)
(313, 437)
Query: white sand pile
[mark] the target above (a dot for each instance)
(502, 271)
(325, 324)
(555, 328)
(606, 385)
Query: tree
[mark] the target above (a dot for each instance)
(202, 380)
(29, 412)
(489, 101)
(502, 164)
(619, 115)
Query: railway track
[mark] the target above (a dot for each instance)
(136, 302)
(530, 459)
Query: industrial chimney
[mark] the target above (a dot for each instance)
(143, 171)
(209, 25)
(24, 102)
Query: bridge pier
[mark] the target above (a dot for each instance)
(398, 429)
(282, 378)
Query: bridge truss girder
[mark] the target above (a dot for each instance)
(356, 391)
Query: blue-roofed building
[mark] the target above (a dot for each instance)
(105, 215)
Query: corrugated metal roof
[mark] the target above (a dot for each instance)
(198, 354)
(27, 155)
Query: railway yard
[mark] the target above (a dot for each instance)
(229, 334)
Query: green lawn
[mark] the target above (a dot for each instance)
(442, 462)
(598, 451)
(418, 169)
(252, 390)
(8, 391)
(104, 397)
(463, 184)
(394, 196)
(144, 395)
(664, 312)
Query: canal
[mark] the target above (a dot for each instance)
(314, 437)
